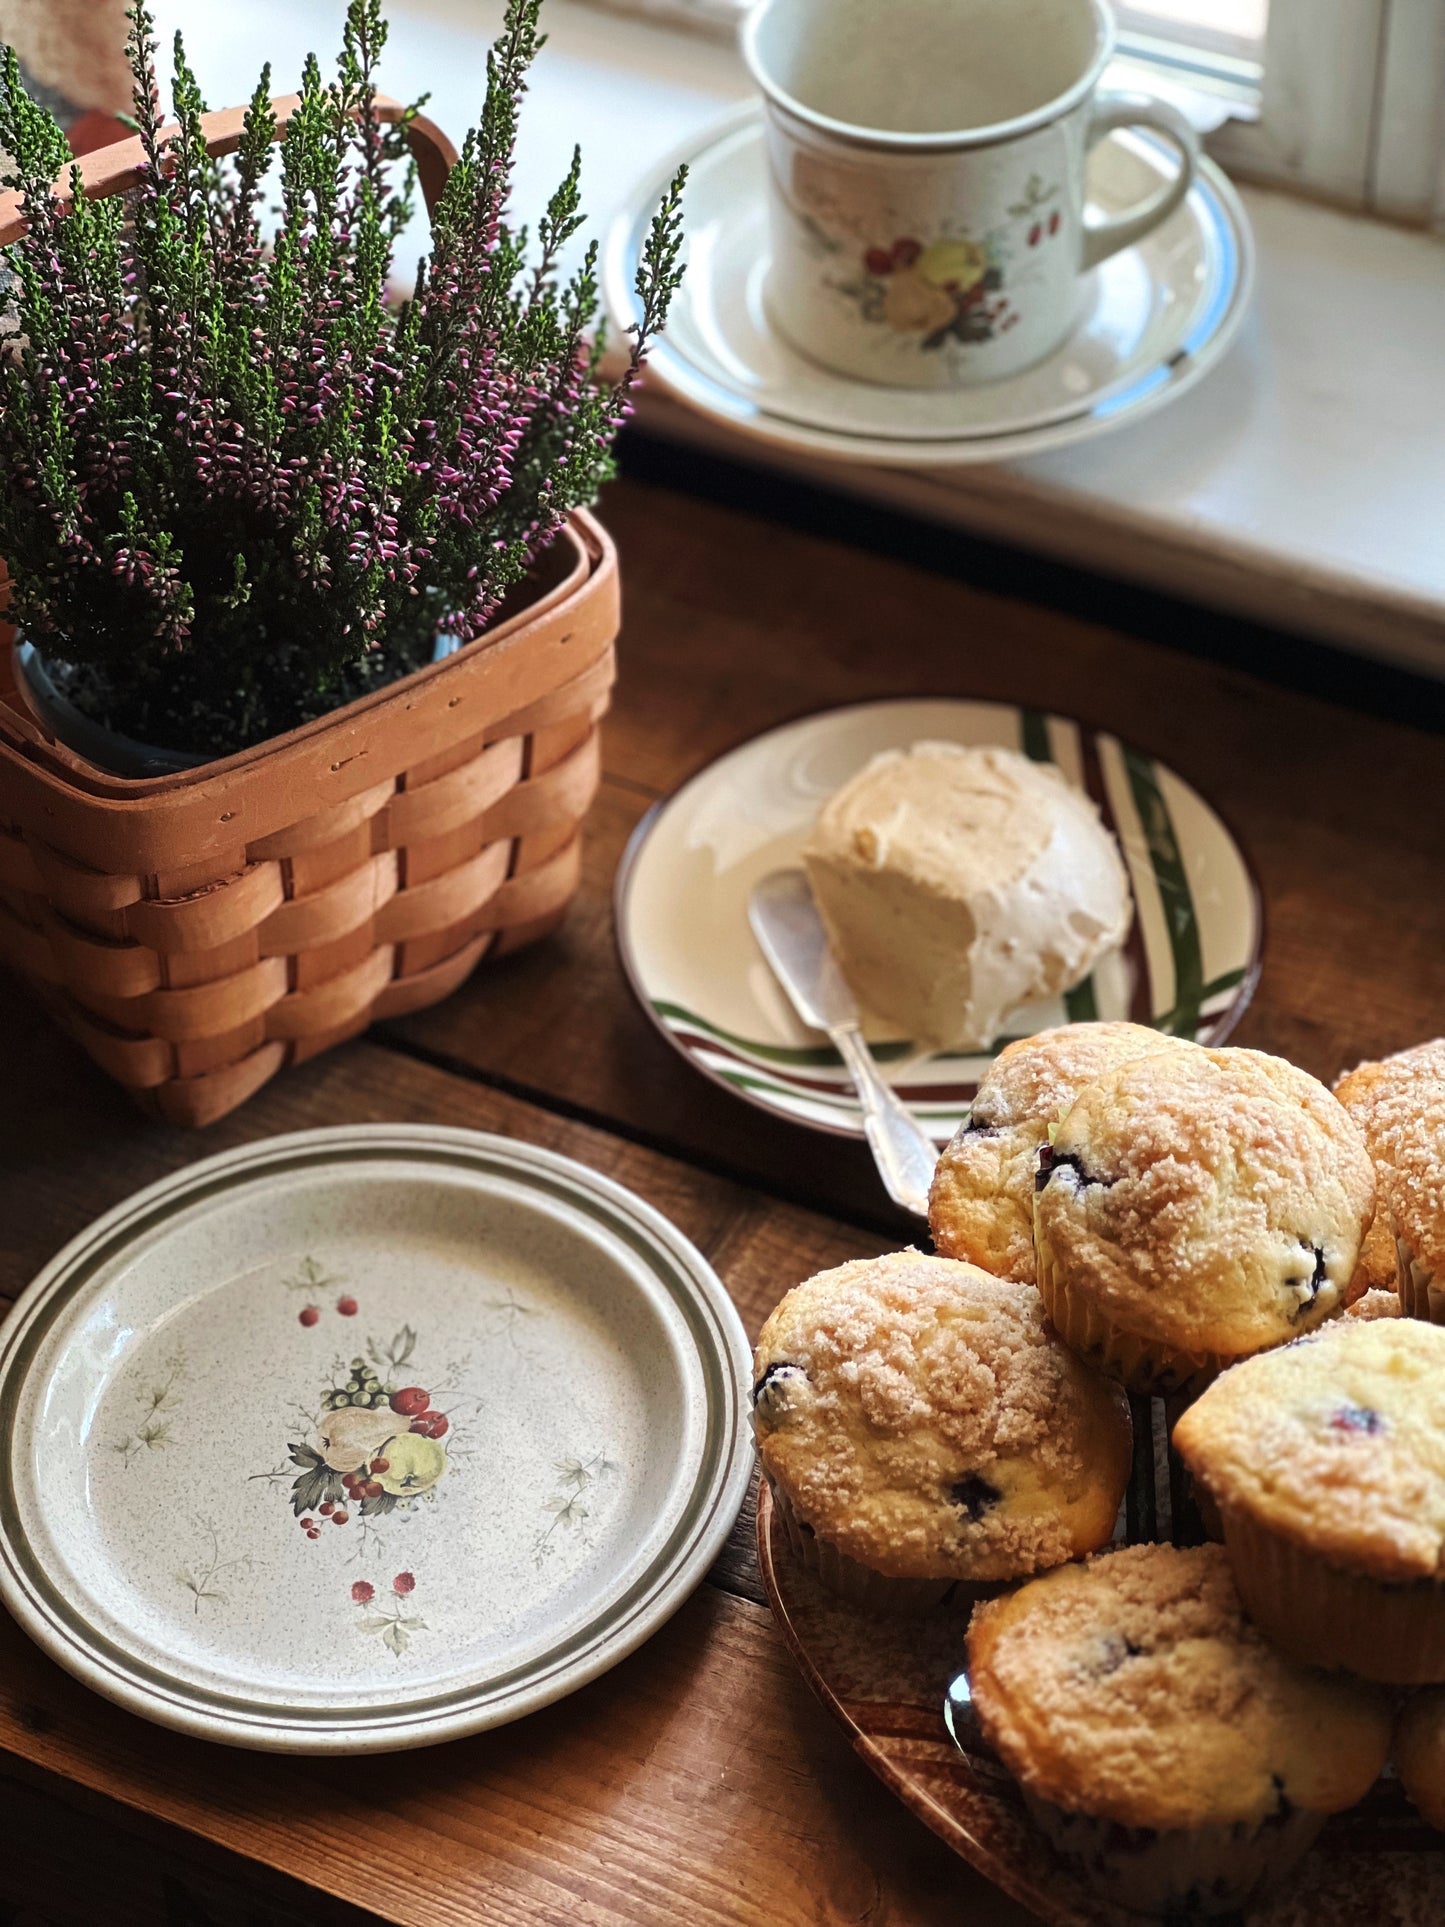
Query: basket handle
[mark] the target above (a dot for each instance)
(113, 169)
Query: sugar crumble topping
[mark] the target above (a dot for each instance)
(916, 1387)
(1133, 1688)
(1211, 1199)
(1038, 1077)
(981, 1207)
(1337, 1442)
(1399, 1104)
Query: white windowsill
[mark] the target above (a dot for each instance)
(1302, 483)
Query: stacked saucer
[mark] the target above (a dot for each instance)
(1154, 318)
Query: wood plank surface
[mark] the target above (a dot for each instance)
(732, 625)
(699, 1781)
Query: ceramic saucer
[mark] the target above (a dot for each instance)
(365, 1438)
(1189, 965)
(1155, 318)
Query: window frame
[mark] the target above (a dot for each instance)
(1364, 127)
(1350, 105)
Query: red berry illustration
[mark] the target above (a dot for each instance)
(906, 252)
(1054, 222)
(311, 1316)
(326, 1508)
(381, 1465)
(404, 1582)
(373, 1489)
(313, 1533)
(431, 1425)
(339, 1517)
(1035, 235)
(307, 1522)
(347, 1306)
(363, 1592)
(878, 261)
(410, 1400)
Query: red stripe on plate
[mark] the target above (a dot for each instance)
(910, 1093)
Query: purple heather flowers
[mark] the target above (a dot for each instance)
(237, 485)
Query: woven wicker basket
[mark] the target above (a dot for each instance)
(197, 932)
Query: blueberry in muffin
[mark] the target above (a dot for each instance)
(1174, 1757)
(981, 1207)
(1326, 1462)
(1196, 1206)
(921, 1425)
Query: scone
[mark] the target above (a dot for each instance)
(1166, 1750)
(957, 883)
(920, 1425)
(1420, 1753)
(1326, 1461)
(1399, 1104)
(981, 1206)
(1196, 1206)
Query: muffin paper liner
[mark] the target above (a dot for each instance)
(1383, 1630)
(1422, 1294)
(854, 1581)
(1140, 1364)
(1178, 1871)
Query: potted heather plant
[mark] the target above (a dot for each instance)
(239, 487)
(317, 629)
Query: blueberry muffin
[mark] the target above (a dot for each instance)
(981, 1207)
(1326, 1461)
(1196, 1206)
(921, 1425)
(1377, 1302)
(1166, 1750)
(1399, 1105)
(1420, 1753)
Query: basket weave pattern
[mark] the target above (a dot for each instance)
(197, 932)
(195, 978)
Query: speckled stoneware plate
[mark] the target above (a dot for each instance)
(1188, 967)
(365, 1438)
(886, 1680)
(1153, 318)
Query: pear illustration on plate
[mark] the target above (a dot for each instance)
(351, 1436)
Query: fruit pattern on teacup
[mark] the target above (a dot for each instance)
(950, 289)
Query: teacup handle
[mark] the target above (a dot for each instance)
(1103, 238)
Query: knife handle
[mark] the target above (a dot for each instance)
(904, 1153)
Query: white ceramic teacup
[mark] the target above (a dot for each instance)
(927, 162)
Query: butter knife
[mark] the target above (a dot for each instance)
(790, 932)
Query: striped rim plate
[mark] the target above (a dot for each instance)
(516, 1389)
(1188, 967)
(1155, 317)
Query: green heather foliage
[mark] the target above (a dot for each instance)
(237, 486)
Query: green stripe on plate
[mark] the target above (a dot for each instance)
(795, 1097)
(744, 1081)
(1080, 1002)
(1034, 734)
(1174, 895)
(821, 1054)
(1231, 980)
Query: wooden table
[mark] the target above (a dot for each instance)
(699, 1781)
